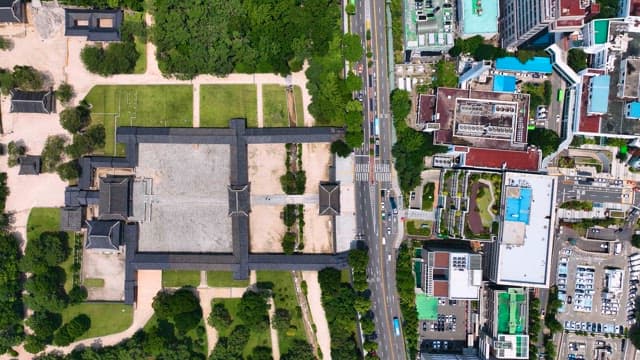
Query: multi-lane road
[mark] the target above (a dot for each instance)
(377, 230)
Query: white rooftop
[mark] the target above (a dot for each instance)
(525, 262)
(346, 221)
(465, 276)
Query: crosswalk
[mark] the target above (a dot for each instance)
(362, 172)
(382, 172)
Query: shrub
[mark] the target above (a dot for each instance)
(289, 216)
(220, 318)
(74, 119)
(14, 151)
(65, 93)
(77, 294)
(34, 344)
(69, 170)
(27, 78)
(72, 330)
(51, 155)
(289, 243)
(5, 44)
(116, 58)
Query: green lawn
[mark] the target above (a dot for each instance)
(420, 228)
(274, 100)
(224, 279)
(141, 64)
(221, 103)
(428, 196)
(139, 105)
(258, 338)
(106, 318)
(180, 278)
(48, 220)
(345, 276)
(93, 283)
(285, 297)
(483, 202)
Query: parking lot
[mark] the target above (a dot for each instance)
(450, 325)
(598, 190)
(581, 282)
(576, 347)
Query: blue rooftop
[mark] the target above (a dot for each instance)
(518, 209)
(536, 65)
(599, 94)
(504, 83)
(479, 17)
(633, 110)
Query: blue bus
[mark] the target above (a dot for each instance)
(376, 127)
(396, 326)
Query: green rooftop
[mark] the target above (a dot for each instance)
(601, 29)
(427, 307)
(512, 309)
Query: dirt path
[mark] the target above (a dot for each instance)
(306, 314)
(196, 105)
(317, 312)
(260, 104)
(275, 346)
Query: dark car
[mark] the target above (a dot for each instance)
(569, 299)
(424, 326)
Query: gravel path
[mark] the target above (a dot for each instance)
(317, 312)
(275, 346)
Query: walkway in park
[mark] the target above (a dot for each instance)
(275, 345)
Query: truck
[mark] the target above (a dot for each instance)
(394, 206)
(396, 326)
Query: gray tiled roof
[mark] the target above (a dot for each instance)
(103, 234)
(29, 165)
(71, 218)
(329, 198)
(39, 102)
(114, 197)
(12, 11)
(93, 30)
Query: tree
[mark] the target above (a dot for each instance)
(81, 145)
(289, 215)
(220, 318)
(46, 292)
(116, 58)
(289, 243)
(340, 148)
(545, 139)
(299, 350)
(34, 344)
(77, 294)
(252, 310)
(577, 59)
(65, 93)
(47, 250)
(168, 306)
(51, 155)
(635, 240)
(5, 44)
(73, 119)
(72, 330)
(350, 9)
(362, 304)
(27, 78)
(69, 170)
(96, 135)
(281, 320)
(261, 353)
(353, 82)
(44, 323)
(14, 151)
(352, 47)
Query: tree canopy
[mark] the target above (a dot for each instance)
(218, 37)
(545, 139)
(577, 59)
(116, 58)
